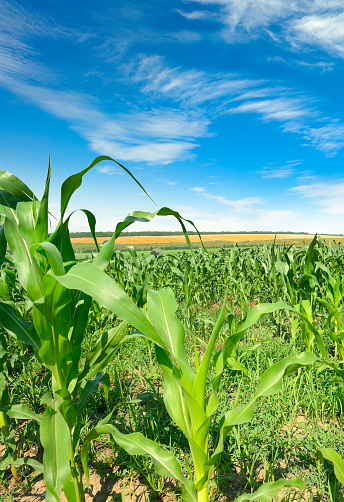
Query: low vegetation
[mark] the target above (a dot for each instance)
(195, 375)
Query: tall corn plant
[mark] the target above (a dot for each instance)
(190, 393)
(59, 321)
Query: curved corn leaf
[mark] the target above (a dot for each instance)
(251, 318)
(337, 461)
(28, 461)
(202, 374)
(97, 284)
(90, 388)
(15, 186)
(103, 351)
(20, 330)
(104, 256)
(270, 490)
(270, 383)
(137, 444)
(272, 378)
(23, 412)
(74, 181)
(52, 254)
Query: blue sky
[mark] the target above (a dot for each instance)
(229, 111)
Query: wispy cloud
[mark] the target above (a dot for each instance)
(168, 182)
(280, 171)
(220, 94)
(198, 189)
(323, 30)
(327, 195)
(160, 135)
(199, 15)
(108, 169)
(238, 206)
(305, 22)
(327, 137)
(191, 87)
(280, 109)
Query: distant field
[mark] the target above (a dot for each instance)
(174, 239)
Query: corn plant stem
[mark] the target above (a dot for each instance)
(77, 480)
(202, 496)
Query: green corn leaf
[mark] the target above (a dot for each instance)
(136, 444)
(8, 200)
(90, 388)
(161, 310)
(104, 256)
(92, 224)
(252, 317)
(97, 284)
(272, 378)
(28, 461)
(270, 383)
(173, 397)
(41, 227)
(337, 461)
(19, 248)
(309, 261)
(23, 412)
(270, 490)
(52, 255)
(103, 351)
(53, 317)
(256, 312)
(21, 330)
(3, 244)
(60, 238)
(202, 374)
(55, 439)
(15, 186)
(73, 182)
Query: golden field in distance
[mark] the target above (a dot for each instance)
(230, 238)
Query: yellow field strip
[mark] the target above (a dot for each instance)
(166, 239)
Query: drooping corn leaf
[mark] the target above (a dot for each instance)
(337, 461)
(136, 444)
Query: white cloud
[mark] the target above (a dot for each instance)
(318, 23)
(198, 189)
(239, 206)
(322, 65)
(325, 31)
(168, 182)
(280, 171)
(108, 169)
(259, 220)
(328, 138)
(191, 87)
(199, 14)
(281, 109)
(218, 94)
(328, 196)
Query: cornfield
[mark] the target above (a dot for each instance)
(211, 376)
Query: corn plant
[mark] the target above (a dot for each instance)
(59, 319)
(189, 399)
